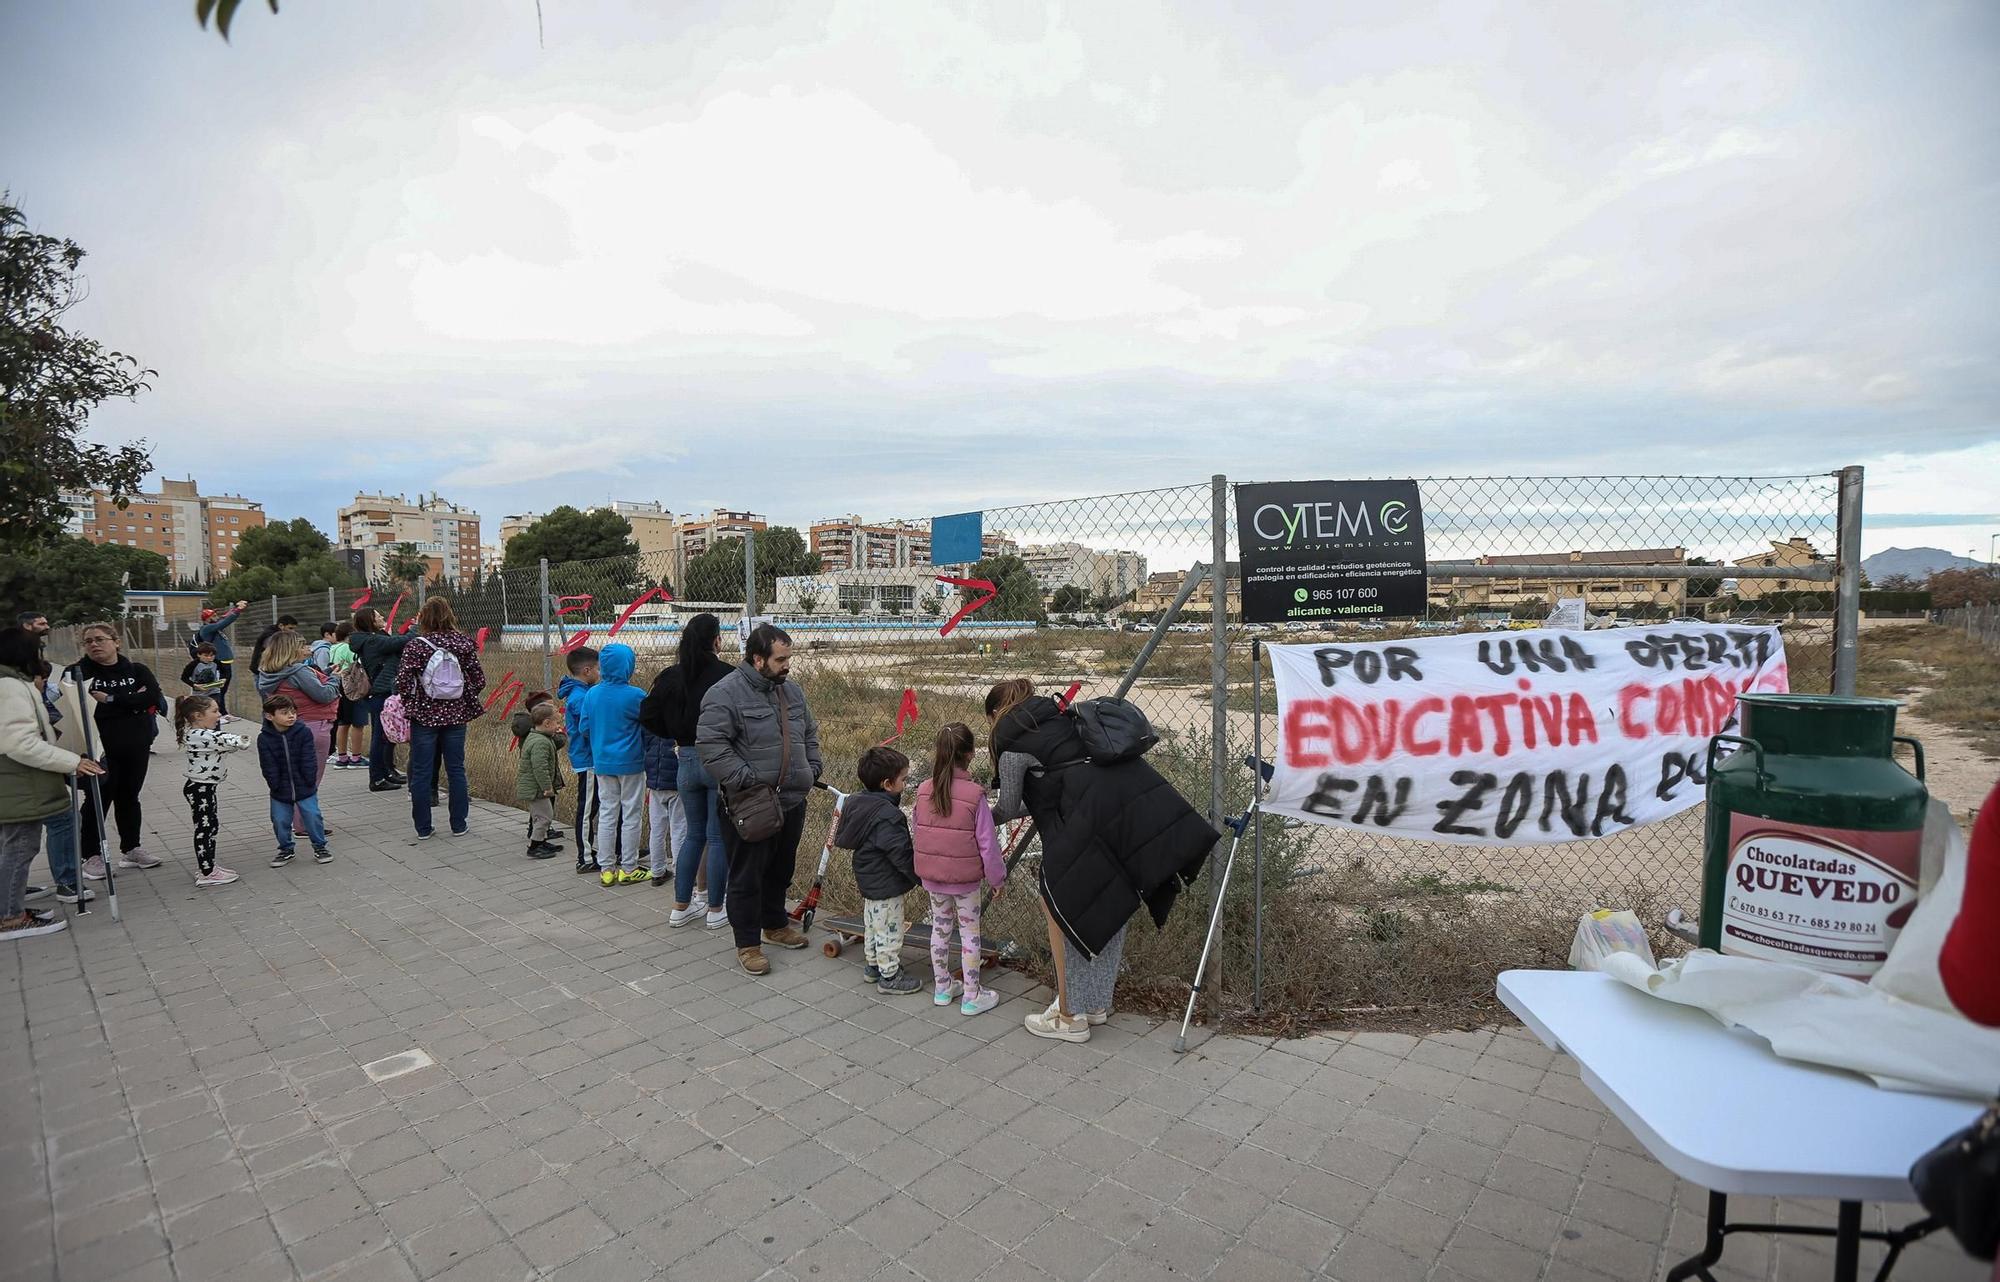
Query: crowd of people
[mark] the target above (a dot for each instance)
(700, 780)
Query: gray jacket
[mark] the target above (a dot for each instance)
(738, 735)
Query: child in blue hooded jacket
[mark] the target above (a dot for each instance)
(610, 720)
(576, 686)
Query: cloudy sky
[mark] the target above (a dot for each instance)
(906, 258)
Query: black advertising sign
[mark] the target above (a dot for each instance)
(1329, 550)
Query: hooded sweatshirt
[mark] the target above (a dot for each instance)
(317, 697)
(574, 694)
(611, 715)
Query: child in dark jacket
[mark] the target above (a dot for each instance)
(666, 822)
(291, 770)
(873, 826)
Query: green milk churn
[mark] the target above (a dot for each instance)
(1814, 833)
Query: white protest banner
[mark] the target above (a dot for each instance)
(1514, 738)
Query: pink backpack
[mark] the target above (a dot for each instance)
(394, 720)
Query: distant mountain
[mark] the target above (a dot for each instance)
(1918, 563)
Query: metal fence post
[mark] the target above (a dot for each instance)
(749, 573)
(274, 609)
(423, 590)
(1218, 659)
(330, 609)
(1847, 598)
(548, 657)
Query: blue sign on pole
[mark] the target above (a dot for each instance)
(955, 540)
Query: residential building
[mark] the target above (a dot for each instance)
(512, 525)
(1623, 581)
(490, 559)
(1789, 552)
(653, 529)
(197, 533)
(848, 543)
(446, 534)
(697, 533)
(1101, 574)
(1159, 590)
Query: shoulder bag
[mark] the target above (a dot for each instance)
(754, 808)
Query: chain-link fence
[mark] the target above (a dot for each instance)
(1090, 594)
(1979, 623)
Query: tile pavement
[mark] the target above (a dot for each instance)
(612, 1101)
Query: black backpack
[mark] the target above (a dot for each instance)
(1113, 730)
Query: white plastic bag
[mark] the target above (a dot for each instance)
(1608, 931)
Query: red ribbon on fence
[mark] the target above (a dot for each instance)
(392, 611)
(650, 594)
(1069, 696)
(574, 642)
(361, 600)
(562, 609)
(501, 688)
(906, 712)
(479, 641)
(974, 604)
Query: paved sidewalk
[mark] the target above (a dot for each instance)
(612, 1101)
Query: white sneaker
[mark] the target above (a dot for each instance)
(93, 868)
(218, 876)
(718, 920)
(1096, 1018)
(35, 893)
(948, 994)
(1051, 1024)
(979, 1003)
(137, 858)
(697, 907)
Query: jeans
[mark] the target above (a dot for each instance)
(18, 842)
(760, 872)
(426, 743)
(701, 812)
(306, 811)
(322, 733)
(60, 832)
(228, 670)
(381, 752)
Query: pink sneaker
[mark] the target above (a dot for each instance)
(136, 857)
(218, 876)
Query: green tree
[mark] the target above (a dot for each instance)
(1953, 588)
(51, 378)
(225, 13)
(1706, 585)
(281, 544)
(931, 607)
(567, 534)
(1020, 597)
(405, 565)
(717, 574)
(71, 580)
(809, 601)
(1067, 599)
(148, 570)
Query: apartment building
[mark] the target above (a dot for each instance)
(1158, 591)
(197, 533)
(696, 534)
(849, 543)
(1113, 574)
(1781, 555)
(1621, 580)
(446, 534)
(653, 528)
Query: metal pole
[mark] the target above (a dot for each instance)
(1847, 595)
(274, 609)
(1257, 834)
(1218, 661)
(548, 656)
(423, 588)
(749, 573)
(330, 607)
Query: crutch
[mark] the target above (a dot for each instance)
(88, 715)
(1239, 824)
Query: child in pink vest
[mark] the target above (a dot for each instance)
(958, 851)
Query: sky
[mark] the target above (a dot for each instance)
(900, 259)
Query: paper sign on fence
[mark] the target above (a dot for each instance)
(1514, 738)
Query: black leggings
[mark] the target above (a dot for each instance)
(124, 777)
(201, 804)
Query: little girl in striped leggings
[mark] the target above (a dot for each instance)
(197, 722)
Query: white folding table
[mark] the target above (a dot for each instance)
(1718, 1108)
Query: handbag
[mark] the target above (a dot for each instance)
(754, 808)
(1958, 1182)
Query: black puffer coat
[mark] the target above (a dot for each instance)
(1113, 837)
